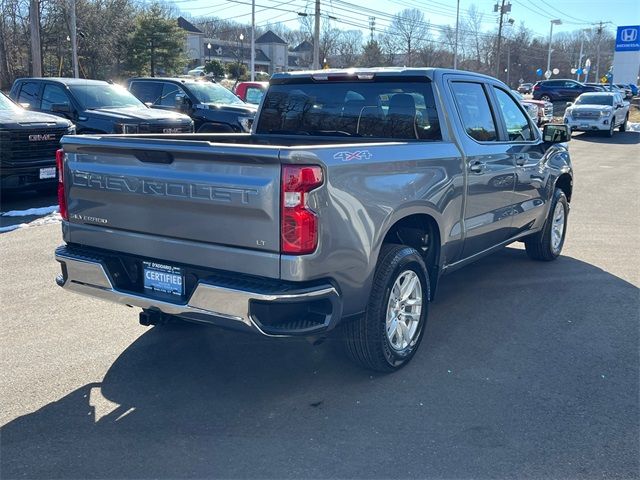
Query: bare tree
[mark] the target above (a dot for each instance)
(349, 47)
(412, 29)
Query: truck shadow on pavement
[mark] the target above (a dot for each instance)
(524, 370)
(619, 138)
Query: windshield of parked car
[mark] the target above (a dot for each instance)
(383, 109)
(7, 105)
(92, 97)
(595, 100)
(207, 92)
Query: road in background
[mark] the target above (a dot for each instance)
(527, 370)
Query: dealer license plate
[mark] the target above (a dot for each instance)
(48, 172)
(163, 279)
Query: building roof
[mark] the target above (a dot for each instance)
(305, 46)
(270, 37)
(188, 26)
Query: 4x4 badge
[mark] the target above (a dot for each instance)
(355, 155)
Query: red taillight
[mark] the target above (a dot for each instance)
(536, 87)
(298, 223)
(62, 199)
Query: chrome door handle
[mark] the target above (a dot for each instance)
(477, 167)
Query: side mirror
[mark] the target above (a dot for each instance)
(61, 108)
(182, 102)
(556, 133)
(569, 104)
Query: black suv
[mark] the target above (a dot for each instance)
(28, 144)
(553, 90)
(96, 106)
(212, 107)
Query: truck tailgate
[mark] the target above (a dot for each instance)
(211, 196)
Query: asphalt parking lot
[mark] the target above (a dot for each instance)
(527, 370)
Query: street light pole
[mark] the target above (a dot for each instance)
(209, 50)
(316, 38)
(581, 54)
(253, 40)
(455, 47)
(557, 21)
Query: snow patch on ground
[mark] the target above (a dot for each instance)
(31, 211)
(49, 219)
(633, 127)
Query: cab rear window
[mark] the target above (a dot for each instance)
(379, 109)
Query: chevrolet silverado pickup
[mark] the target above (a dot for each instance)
(354, 193)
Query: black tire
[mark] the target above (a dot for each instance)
(546, 98)
(609, 133)
(539, 246)
(623, 127)
(365, 338)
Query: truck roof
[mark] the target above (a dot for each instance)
(66, 80)
(427, 72)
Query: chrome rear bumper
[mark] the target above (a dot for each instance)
(209, 303)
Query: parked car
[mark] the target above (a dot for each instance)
(354, 193)
(28, 144)
(539, 110)
(251, 92)
(555, 90)
(628, 93)
(600, 87)
(600, 111)
(634, 89)
(96, 106)
(197, 72)
(212, 107)
(525, 87)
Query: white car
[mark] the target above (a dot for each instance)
(598, 111)
(197, 72)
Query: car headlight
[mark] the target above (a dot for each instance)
(245, 123)
(568, 112)
(605, 113)
(71, 130)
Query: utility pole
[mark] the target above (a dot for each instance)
(557, 21)
(455, 46)
(34, 27)
(372, 27)
(503, 9)
(581, 54)
(599, 31)
(74, 37)
(253, 40)
(153, 60)
(316, 38)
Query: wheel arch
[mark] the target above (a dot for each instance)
(422, 232)
(565, 183)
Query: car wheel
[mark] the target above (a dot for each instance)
(609, 132)
(623, 127)
(545, 98)
(387, 335)
(547, 244)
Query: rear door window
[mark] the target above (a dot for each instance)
(29, 94)
(475, 112)
(254, 95)
(53, 95)
(147, 92)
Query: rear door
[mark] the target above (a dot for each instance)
(490, 169)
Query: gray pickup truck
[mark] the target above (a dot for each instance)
(351, 197)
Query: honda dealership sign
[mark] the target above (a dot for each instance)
(628, 39)
(626, 58)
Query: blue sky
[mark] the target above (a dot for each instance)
(354, 14)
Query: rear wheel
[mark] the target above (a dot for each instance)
(387, 336)
(547, 244)
(545, 98)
